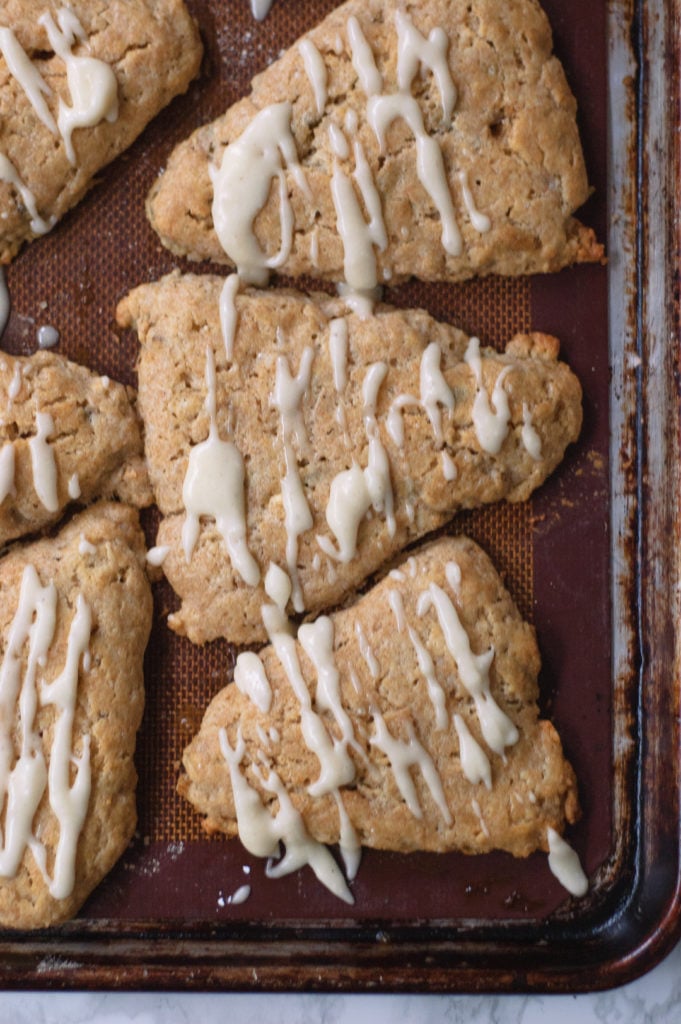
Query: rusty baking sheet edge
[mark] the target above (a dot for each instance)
(639, 916)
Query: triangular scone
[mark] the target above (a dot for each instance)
(435, 139)
(406, 722)
(325, 442)
(75, 615)
(66, 435)
(78, 83)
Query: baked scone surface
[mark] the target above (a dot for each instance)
(67, 435)
(75, 616)
(435, 140)
(406, 722)
(78, 83)
(326, 441)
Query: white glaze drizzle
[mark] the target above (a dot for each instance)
(261, 833)
(360, 300)
(262, 736)
(363, 58)
(92, 83)
(316, 639)
(367, 652)
(260, 9)
(288, 395)
(23, 780)
(16, 382)
(478, 813)
(377, 472)
(314, 246)
(394, 421)
(350, 121)
(214, 486)
(336, 765)
(68, 799)
(287, 399)
(358, 235)
(338, 351)
(435, 391)
(339, 144)
(228, 314)
(6, 470)
(424, 603)
(413, 50)
(397, 608)
(427, 670)
(430, 167)
(157, 555)
(529, 435)
(48, 336)
(74, 487)
(27, 75)
(349, 844)
(449, 470)
(402, 757)
(297, 519)
(251, 679)
(315, 69)
(43, 462)
(564, 864)
(354, 491)
(473, 669)
(10, 175)
(491, 424)
(240, 895)
(475, 763)
(241, 187)
(480, 221)
(453, 576)
(277, 586)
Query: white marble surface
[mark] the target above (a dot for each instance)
(656, 997)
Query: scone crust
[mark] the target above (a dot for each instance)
(513, 133)
(110, 576)
(154, 49)
(533, 787)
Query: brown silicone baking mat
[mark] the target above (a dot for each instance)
(163, 917)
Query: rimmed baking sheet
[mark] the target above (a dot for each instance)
(571, 558)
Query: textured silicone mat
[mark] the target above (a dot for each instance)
(545, 549)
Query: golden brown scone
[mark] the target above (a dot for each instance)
(152, 48)
(325, 437)
(67, 746)
(512, 134)
(392, 722)
(66, 434)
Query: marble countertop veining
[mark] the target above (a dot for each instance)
(656, 997)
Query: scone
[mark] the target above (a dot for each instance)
(75, 615)
(407, 722)
(310, 437)
(433, 139)
(78, 83)
(66, 435)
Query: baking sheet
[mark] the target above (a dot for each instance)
(163, 917)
